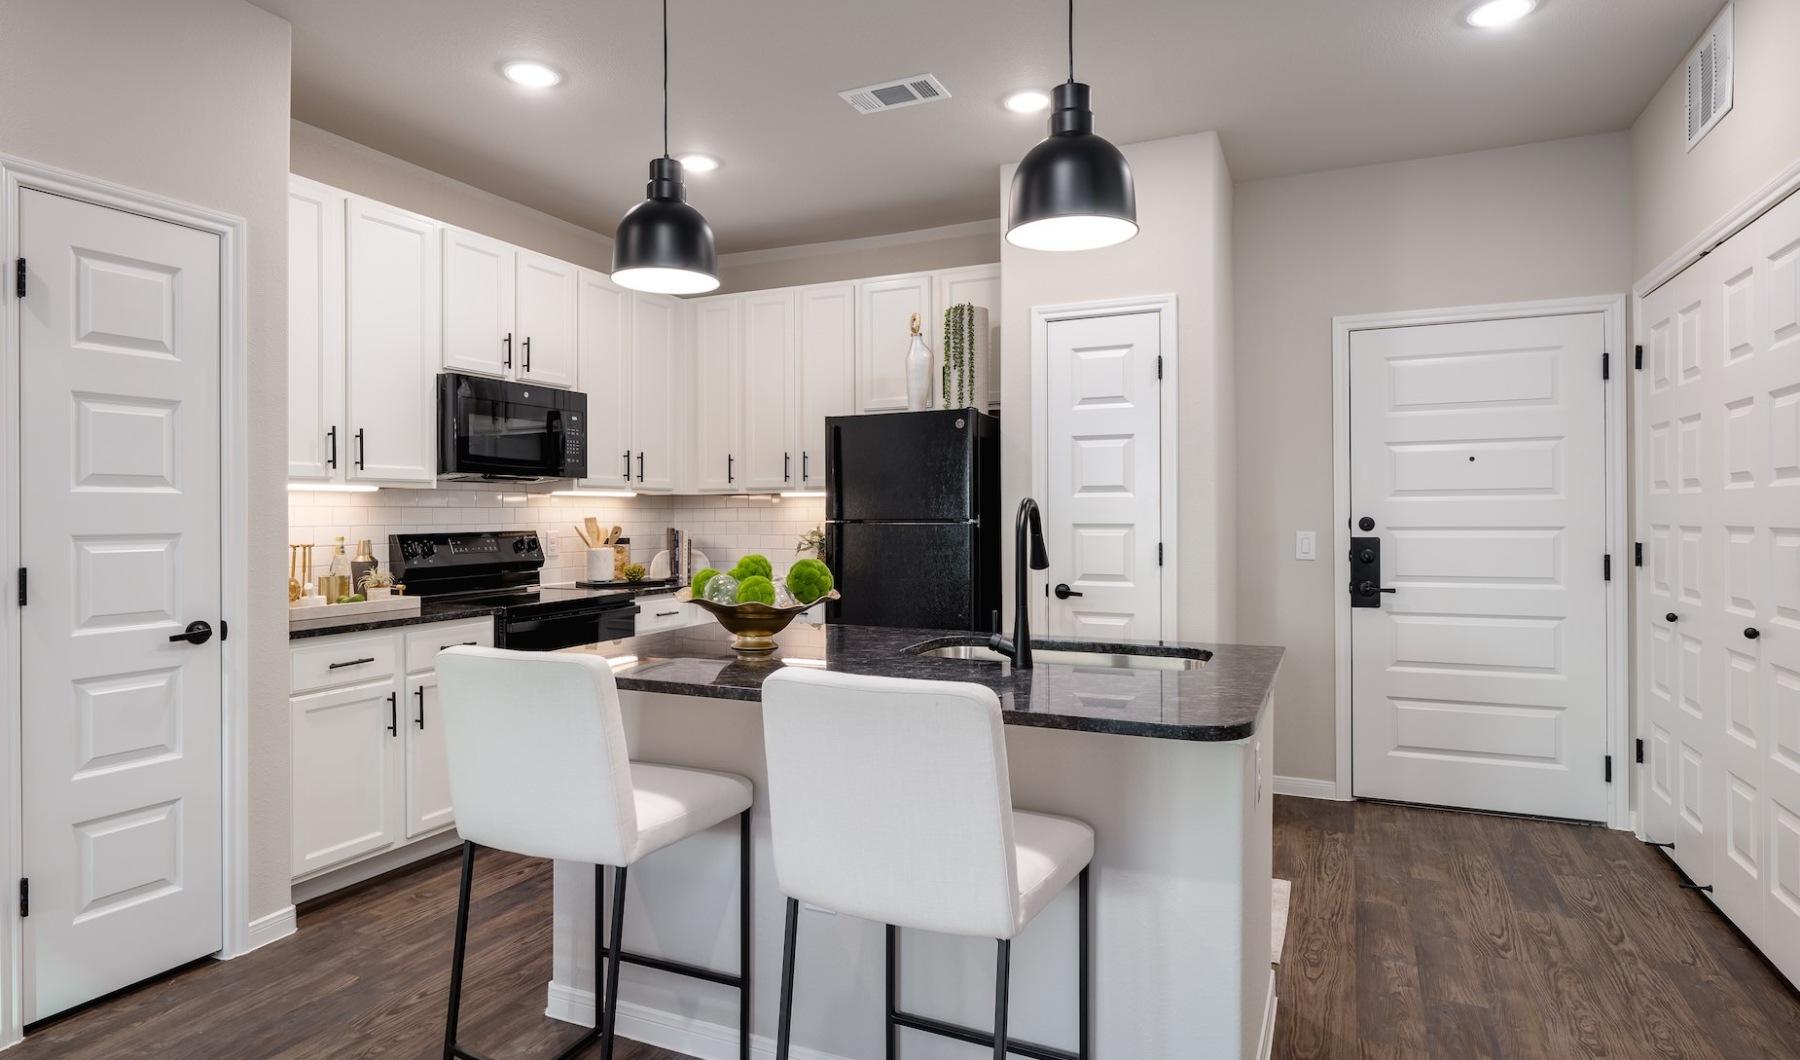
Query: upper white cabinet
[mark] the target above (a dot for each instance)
(315, 331)
(627, 344)
(826, 373)
(767, 401)
(884, 310)
(655, 399)
(508, 312)
(393, 342)
(978, 285)
(718, 340)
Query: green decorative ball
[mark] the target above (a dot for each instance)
(753, 566)
(701, 577)
(756, 589)
(808, 580)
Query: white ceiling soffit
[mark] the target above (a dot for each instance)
(1292, 86)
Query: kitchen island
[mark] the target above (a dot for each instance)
(1170, 763)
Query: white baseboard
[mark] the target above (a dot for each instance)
(1265, 1050)
(387, 861)
(665, 1030)
(1306, 788)
(272, 928)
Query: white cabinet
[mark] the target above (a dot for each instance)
(315, 331)
(978, 285)
(508, 312)
(368, 767)
(884, 310)
(826, 373)
(716, 398)
(603, 330)
(766, 399)
(657, 404)
(663, 611)
(393, 342)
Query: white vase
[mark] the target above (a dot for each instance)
(918, 375)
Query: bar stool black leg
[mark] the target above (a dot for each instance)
(893, 991)
(612, 966)
(600, 954)
(462, 945)
(785, 1024)
(1081, 969)
(1002, 980)
(744, 935)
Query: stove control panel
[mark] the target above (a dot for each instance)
(421, 560)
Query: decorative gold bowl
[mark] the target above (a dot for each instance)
(754, 625)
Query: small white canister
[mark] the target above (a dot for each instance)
(600, 563)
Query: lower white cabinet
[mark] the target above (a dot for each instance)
(368, 766)
(663, 611)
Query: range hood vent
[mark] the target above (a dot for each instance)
(889, 95)
(1709, 79)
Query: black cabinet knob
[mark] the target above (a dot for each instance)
(1671, 616)
(1752, 633)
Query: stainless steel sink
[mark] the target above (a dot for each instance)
(1063, 657)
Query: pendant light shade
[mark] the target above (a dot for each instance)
(663, 245)
(1073, 191)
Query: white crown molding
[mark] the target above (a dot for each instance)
(851, 246)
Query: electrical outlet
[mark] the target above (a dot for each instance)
(552, 547)
(1306, 545)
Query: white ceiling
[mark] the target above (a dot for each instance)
(1292, 86)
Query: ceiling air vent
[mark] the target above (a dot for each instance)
(920, 88)
(1709, 79)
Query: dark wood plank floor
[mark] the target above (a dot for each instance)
(1414, 934)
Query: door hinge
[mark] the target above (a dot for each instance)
(1640, 751)
(1158, 362)
(224, 630)
(24, 896)
(22, 593)
(1638, 359)
(1609, 769)
(19, 271)
(1637, 554)
(1606, 366)
(1607, 568)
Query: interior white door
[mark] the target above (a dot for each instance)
(827, 364)
(603, 332)
(428, 806)
(547, 300)
(1103, 513)
(1478, 451)
(766, 392)
(315, 331)
(478, 304)
(122, 764)
(393, 343)
(653, 390)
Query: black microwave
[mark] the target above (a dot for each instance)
(494, 430)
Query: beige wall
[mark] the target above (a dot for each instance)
(858, 258)
(331, 159)
(1183, 248)
(1678, 194)
(188, 99)
(1544, 221)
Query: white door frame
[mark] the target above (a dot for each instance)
(1618, 524)
(15, 176)
(1041, 318)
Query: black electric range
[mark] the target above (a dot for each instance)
(499, 568)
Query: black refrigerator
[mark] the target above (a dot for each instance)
(912, 519)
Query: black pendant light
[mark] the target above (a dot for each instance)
(1072, 191)
(663, 245)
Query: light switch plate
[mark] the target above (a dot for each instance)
(1306, 545)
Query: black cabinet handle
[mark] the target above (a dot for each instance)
(805, 466)
(393, 713)
(1752, 633)
(196, 633)
(359, 449)
(352, 662)
(332, 434)
(786, 463)
(1671, 616)
(420, 692)
(640, 468)
(458, 644)
(508, 342)
(730, 468)
(1063, 592)
(627, 465)
(526, 348)
(667, 614)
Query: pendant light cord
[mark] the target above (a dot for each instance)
(666, 72)
(1071, 40)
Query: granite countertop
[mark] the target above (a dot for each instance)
(1219, 701)
(380, 621)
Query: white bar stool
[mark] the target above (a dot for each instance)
(890, 801)
(538, 767)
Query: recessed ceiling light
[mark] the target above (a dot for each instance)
(531, 74)
(700, 163)
(1500, 12)
(1029, 101)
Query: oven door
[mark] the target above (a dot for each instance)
(567, 629)
(491, 428)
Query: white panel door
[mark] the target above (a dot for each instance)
(428, 805)
(1103, 518)
(394, 342)
(1478, 450)
(978, 285)
(884, 310)
(478, 304)
(547, 320)
(122, 767)
(827, 366)
(603, 332)
(653, 391)
(315, 331)
(717, 340)
(766, 392)
(346, 760)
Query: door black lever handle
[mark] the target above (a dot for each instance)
(1371, 589)
(1671, 616)
(196, 633)
(1752, 633)
(1063, 592)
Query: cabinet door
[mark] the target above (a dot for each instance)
(478, 304)
(315, 331)
(393, 344)
(827, 377)
(427, 765)
(603, 338)
(653, 396)
(717, 340)
(978, 285)
(547, 320)
(766, 459)
(884, 310)
(345, 762)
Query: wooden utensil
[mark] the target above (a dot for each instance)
(613, 538)
(593, 530)
(584, 537)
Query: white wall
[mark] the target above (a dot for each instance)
(189, 99)
(1183, 248)
(1544, 221)
(1677, 193)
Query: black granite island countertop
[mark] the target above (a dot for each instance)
(1221, 700)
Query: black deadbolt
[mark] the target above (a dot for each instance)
(1365, 524)
(1367, 555)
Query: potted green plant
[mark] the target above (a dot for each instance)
(378, 584)
(813, 541)
(961, 349)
